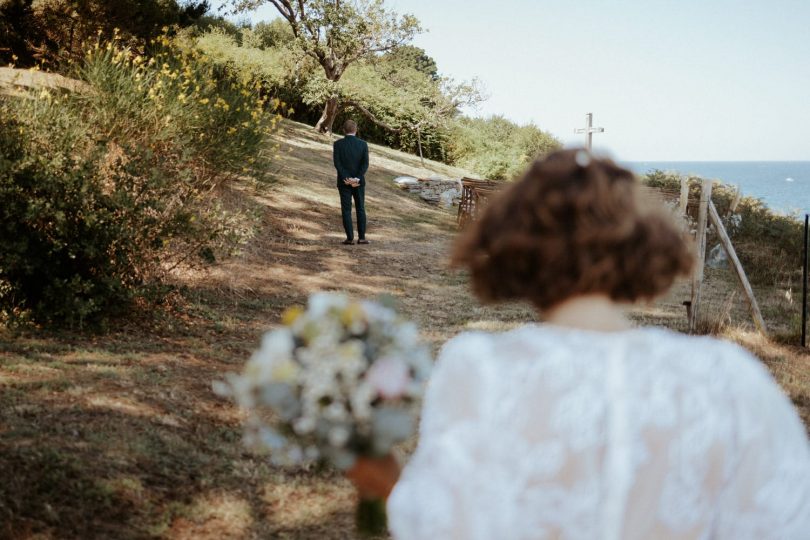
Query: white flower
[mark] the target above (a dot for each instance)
(272, 361)
(295, 454)
(311, 453)
(285, 371)
(361, 400)
(378, 314)
(282, 399)
(323, 376)
(321, 303)
(336, 412)
(222, 389)
(271, 439)
(339, 436)
(389, 377)
(407, 335)
(304, 425)
(277, 345)
(241, 389)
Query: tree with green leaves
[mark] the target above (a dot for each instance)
(413, 57)
(339, 33)
(403, 93)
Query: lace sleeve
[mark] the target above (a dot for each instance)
(769, 492)
(428, 500)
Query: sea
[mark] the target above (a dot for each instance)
(784, 186)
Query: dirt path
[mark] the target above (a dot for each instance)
(119, 435)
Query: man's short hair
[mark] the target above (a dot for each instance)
(349, 126)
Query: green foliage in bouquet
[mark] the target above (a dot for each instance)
(102, 191)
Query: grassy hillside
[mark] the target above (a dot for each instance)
(120, 436)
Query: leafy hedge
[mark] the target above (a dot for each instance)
(769, 244)
(102, 191)
(497, 148)
(37, 31)
(401, 89)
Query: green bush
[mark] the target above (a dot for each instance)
(44, 30)
(398, 99)
(768, 243)
(497, 148)
(102, 191)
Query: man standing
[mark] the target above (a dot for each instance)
(350, 155)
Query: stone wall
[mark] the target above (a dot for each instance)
(444, 191)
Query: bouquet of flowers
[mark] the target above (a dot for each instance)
(339, 380)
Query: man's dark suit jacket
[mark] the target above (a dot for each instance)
(350, 155)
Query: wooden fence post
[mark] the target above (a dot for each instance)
(756, 314)
(684, 195)
(700, 244)
(736, 201)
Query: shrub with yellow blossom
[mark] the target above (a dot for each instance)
(103, 191)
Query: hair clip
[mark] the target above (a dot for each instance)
(583, 158)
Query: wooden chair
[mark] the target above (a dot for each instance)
(474, 193)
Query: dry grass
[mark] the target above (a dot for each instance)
(119, 435)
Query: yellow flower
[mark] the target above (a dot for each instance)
(291, 314)
(204, 101)
(352, 314)
(285, 371)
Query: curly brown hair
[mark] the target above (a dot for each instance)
(573, 225)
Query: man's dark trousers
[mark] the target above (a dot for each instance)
(346, 195)
(350, 156)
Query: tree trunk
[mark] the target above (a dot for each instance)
(330, 112)
(419, 145)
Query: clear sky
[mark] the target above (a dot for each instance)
(668, 79)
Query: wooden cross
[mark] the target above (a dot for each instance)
(589, 130)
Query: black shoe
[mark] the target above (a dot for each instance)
(348, 242)
(362, 241)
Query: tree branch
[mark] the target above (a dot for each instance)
(368, 114)
(284, 7)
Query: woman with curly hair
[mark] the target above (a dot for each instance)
(585, 426)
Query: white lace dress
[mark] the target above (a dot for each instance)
(545, 432)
